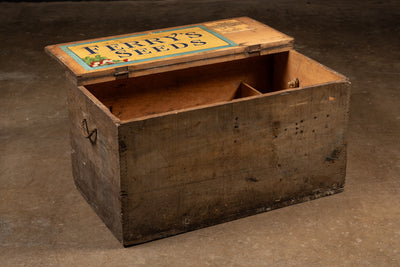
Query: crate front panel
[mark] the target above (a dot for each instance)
(192, 169)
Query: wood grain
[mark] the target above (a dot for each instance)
(246, 90)
(169, 91)
(268, 39)
(291, 64)
(206, 85)
(96, 166)
(201, 167)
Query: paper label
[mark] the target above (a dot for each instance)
(229, 26)
(144, 47)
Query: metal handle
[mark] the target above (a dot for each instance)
(91, 135)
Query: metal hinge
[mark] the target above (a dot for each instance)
(121, 73)
(254, 50)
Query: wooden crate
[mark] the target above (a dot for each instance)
(182, 128)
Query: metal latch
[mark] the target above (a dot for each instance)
(121, 73)
(254, 50)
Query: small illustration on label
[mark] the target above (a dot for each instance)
(98, 60)
(144, 47)
(229, 26)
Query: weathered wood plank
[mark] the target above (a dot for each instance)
(96, 166)
(251, 38)
(291, 64)
(175, 90)
(201, 167)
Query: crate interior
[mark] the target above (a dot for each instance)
(175, 90)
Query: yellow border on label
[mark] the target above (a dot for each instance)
(144, 47)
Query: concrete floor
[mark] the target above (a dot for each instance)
(44, 221)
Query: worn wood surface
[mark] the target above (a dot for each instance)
(206, 85)
(261, 146)
(256, 39)
(246, 90)
(196, 168)
(291, 64)
(96, 166)
(175, 90)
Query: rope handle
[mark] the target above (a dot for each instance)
(92, 135)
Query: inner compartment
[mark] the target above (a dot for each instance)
(174, 90)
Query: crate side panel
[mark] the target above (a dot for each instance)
(95, 166)
(193, 169)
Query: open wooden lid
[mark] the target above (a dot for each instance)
(131, 55)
